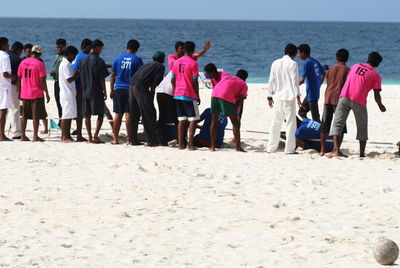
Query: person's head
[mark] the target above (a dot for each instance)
(17, 48)
(86, 45)
(133, 46)
(28, 50)
(180, 48)
(4, 44)
(159, 57)
(61, 44)
(304, 51)
(70, 53)
(36, 51)
(342, 55)
(97, 46)
(374, 59)
(211, 71)
(242, 74)
(189, 47)
(291, 50)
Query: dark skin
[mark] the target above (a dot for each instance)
(323, 135)
(118, 117)
(59, 48)
(24, 120)
(233, 118)
(181, 52)
(95, 138)
(66, 123)
(337, 139)
(184, 125)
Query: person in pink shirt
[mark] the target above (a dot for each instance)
(185, 74)
(361, 79)
(227, 97)
(180, 52)
(32, 88)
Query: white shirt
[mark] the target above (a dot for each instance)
(5, 66)
(67, 90)
(284, 79)
(166, 86)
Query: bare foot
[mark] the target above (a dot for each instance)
(334, 154)
(44, 132)
(97, 141)
(321, 153)
(212, 149)
(134, 143)
(25, 139)
(182, 147)
(81, 139)
(240, 150)
(67, 140)
(37, 139)
(114, 141)
(191, 148)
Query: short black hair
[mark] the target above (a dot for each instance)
(133, 45)
(189, 46)
(291, 50)
(70, 50)
(86, 43)
(28, 46)
(17, 46)
(61, 41)
(3, 41)
(210, 68)
(374, 58)
(243, 74)
(179, 44)
(342, 55)
(305, 48)
(97, 43)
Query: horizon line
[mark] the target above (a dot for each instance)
(185, 19)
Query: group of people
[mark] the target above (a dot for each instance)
(80, 92)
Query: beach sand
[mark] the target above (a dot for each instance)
(84, 205)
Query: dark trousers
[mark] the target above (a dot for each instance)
(57, 97)
(141, 105)
(167, 114)
(310, 106)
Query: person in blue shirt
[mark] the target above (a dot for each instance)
(85, 49)
(314, 75)
(203, 139)
(308, 136)
(123, 69)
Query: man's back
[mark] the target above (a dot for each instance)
(284, 79)
(185, 69)
(31, 70)
(229, 88)
(312, 72)
(125, 66)
(336, 78)
(15, 61)
(149, 74)
(361, 79)
(93, 71)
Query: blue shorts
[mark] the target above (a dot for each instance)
(121, 101)
(187, 110)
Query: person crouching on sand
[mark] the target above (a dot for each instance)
(228, 94)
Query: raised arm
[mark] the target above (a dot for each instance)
(207, 46)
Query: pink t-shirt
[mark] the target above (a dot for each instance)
(31, 70)
(185, 69)
(361, 79)
(171, 59)
(229, 88)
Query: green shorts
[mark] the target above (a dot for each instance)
(220, 106)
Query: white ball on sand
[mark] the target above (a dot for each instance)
(386, 251)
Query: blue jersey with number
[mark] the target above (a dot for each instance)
(204, 135)
(312, 72)
(309, 132)
(125, 66)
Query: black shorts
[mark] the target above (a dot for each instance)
(34, 109)
(187, 110)
(93, 107)
(327, 118)
(121, 101)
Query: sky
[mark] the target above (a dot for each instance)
(286, 10)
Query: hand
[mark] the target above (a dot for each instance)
(47, 98)
(300, 104)
(382, 108)
(198, 102)
(111, 94)
(105, 95)
(53, 74)
(271, 103)
(207, 46)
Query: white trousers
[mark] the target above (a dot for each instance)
(13, 113)
(280, 111)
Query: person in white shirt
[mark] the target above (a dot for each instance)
(67, 77)
(5, 86)
(282, 94)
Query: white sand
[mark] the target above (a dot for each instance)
(81, 205)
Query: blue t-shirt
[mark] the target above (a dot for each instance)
(309, 132)
(79, 57)
(204, 135)
(312, 72)
(125, 66)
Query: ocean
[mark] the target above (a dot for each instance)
(250, 45)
